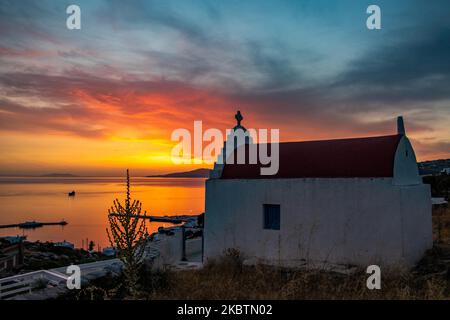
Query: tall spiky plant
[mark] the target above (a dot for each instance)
(128, 234)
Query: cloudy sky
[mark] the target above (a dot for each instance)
(108, 96)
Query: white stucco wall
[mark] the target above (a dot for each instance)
(357, 221)
(406, 171)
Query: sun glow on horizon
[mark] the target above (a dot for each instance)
(104, 98)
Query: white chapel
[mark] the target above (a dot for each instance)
(356, 201)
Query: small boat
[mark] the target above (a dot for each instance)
(71, 194)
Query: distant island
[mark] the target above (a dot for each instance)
(197, 173)
(58, 175)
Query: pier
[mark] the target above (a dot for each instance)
(168, 219)
(33, 224)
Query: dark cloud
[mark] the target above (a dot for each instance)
(66, 120)
(151, 14)
(274, 65)
(414, 71)
(411, 77)
(94, 107)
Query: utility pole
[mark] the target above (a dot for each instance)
(183, 243)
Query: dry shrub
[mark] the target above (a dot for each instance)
(441, 225)
(230, 263)
(264, 282)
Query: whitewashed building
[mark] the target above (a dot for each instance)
(353, 201)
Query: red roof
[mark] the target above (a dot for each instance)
(343, 158)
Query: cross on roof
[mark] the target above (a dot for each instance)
(238, 118)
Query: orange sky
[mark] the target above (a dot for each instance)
(107, 97)
(113, 131)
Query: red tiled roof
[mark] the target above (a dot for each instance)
(343, 158)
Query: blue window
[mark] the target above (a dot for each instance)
(272, 216)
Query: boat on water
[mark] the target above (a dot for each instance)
(72, 194)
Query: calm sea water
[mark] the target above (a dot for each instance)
(46, 200)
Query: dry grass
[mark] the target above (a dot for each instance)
(228, 278)
(223, 280)
(441, 225)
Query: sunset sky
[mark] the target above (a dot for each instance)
(107, 97)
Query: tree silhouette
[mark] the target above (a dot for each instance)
(91, 245)
(128, 234)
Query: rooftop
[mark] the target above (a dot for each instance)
(342, 158)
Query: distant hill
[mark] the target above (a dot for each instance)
(197, 173)
(433, 166)
(58, 175)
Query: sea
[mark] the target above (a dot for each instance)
(45, 199)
